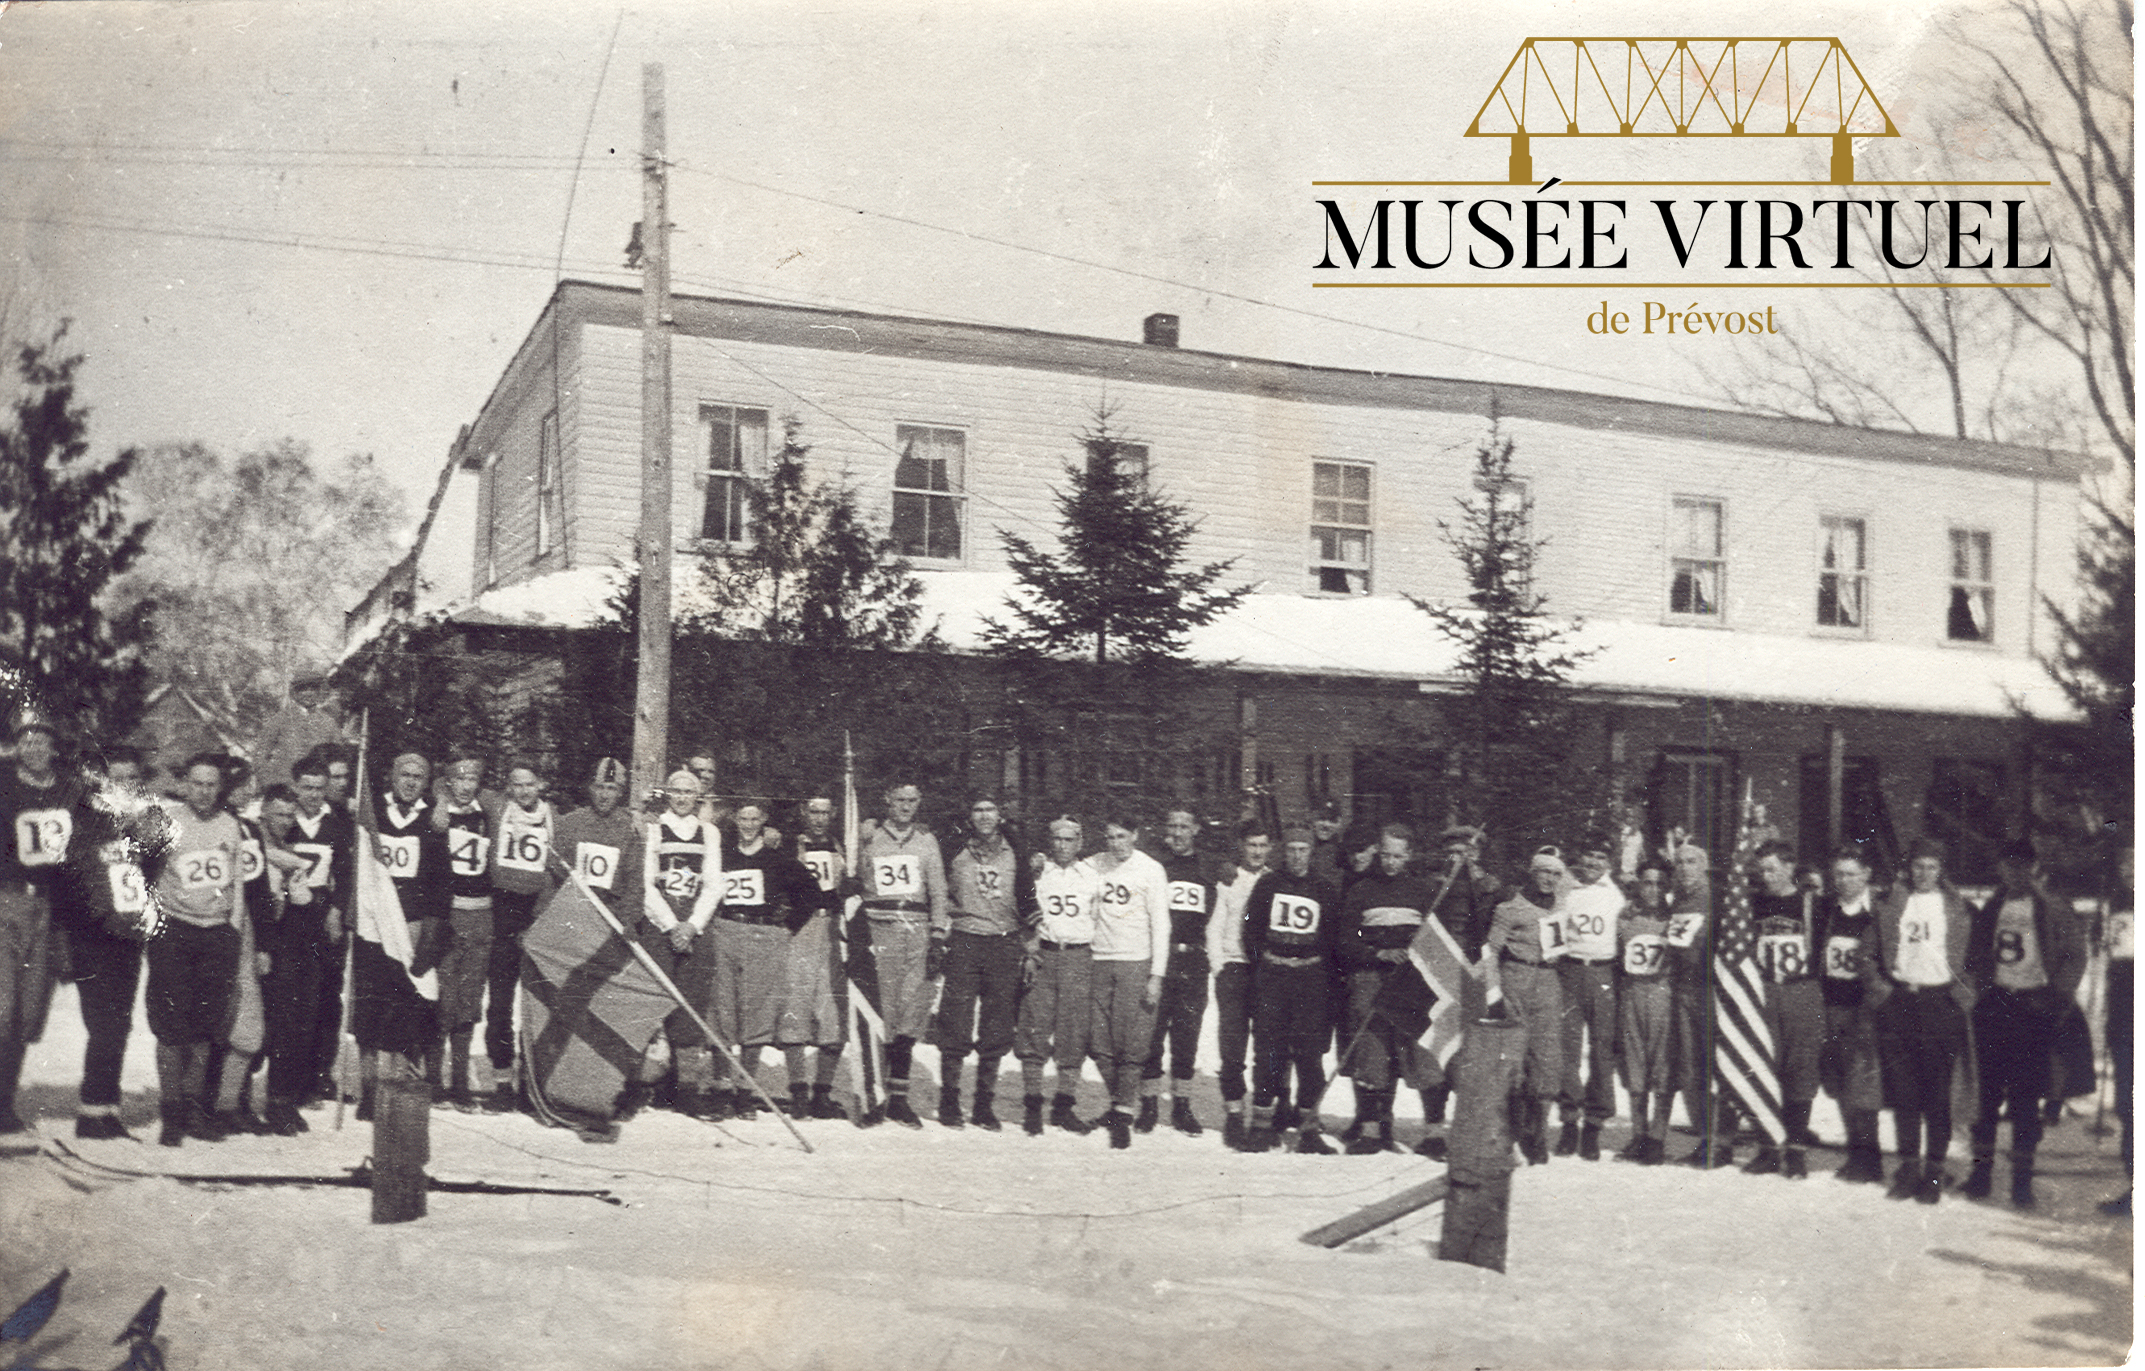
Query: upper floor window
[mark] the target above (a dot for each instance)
(1971, 616)
(929, 490)
(1340, 528)
(1131, 460)
(1842, 572)
(550, 496)
(736, 450)
(1697, 559)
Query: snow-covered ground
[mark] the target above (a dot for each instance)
(901, 1249)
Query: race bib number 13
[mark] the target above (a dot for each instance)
(41, 836)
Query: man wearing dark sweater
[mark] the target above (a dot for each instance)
(1289, 936)
(1194, 880)
(1388, 1003)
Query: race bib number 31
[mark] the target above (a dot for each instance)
(821, 865)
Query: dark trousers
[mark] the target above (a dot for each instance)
(328, 1007)
(1588, 1040)
(512, 913)
(1232, 1025)
(1920, 1034)
(107, 971)
(2013, 1034)
(1292, 1021)
(982, 990)
(193, 973)
(299, 967)
(1177, 1018)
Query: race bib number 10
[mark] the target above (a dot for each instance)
(1293, 914)
(41, 836)
(597, 863)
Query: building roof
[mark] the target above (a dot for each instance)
(1382, 637)
(845, 330)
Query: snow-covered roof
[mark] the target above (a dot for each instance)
(1387, 637)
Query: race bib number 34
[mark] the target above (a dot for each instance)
(897, 877)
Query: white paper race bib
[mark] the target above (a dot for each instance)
(466, 851)
(207, 869)
(2122, 935)
(1783, 956)
(1555, 936)
(597, 863)
(1293, 914)
(1188, 896)
(399, 856)
(1645, 955)
(680, 879)
(317, 856)
(989, 880)
(1843, 958)
(897, 877)
(130, 893)
(523, 849)
(1683, 929)
(41, 836)
(821, 865)
(251, 860)
(745, 886)
(1064, 906)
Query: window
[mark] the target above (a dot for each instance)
(1842, 572)
(737, 451)
(1865, 818)
(1966, 812)
(1971, 617)
(1131, 460)
(1340, 528)
(1695, 791)
(550, 496)
(1696, 567)
(928, 491)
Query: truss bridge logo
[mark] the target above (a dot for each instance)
(1556, 92)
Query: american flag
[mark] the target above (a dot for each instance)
(1743, 1053)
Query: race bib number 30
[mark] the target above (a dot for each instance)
(522, 849)
(399, 856)
(1293, 914)
(466, 850)
(41, 836)
(597, 863)
(1645, 954)
(897, 877)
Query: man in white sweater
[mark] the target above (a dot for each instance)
(1131, 952)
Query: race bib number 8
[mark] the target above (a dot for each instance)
(1683, 929)
(821, 865)
(41, 836)
(597, 863)
(399, 856)
(466, 850)
(1293, 914)
(1188, 896)
(209, 869)
(1645, 954)
(747, 886)
(897, 877)
(1842, 958)
(522, 849)
(1783, 956)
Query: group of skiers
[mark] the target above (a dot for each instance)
(1375, 953)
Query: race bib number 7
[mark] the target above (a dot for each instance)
(1293, 914)
(597, 863)
(41, 836)
(317, 856)
(897, 877)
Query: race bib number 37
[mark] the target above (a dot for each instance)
(1644, 954)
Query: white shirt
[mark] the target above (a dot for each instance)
(1066, 895)
(1225, 931)
(1921, 958)
(1590, 913)
(1132, 913)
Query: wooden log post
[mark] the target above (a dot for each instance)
(1478, 1203)
(401, 1140)
(1370, 1217)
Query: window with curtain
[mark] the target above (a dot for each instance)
(929, 491)
(550, 495)
(736, 447)
(1340, 528)
(1842, 572)
(1971, 615)
(1697, 561)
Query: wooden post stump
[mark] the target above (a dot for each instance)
(1477, 1207)
(401, 1140)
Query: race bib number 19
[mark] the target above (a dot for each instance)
(251, 861)
(597, 863)
(1293, 914)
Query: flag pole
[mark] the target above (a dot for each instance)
(663, 979)
(342, 1036)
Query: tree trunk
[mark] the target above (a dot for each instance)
(1478, 1207)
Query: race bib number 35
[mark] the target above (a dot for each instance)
(897, 877)
(1293, 914)
(41, 836)
(597, 863)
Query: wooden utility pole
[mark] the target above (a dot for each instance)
(651, 697)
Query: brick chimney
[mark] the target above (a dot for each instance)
(1162, 330)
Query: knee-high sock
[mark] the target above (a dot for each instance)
(1908, 1124)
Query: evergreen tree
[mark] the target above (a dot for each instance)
(1099, 671)
(1513, 723)
(2086, 767)
(64, 537)
(1116, 589)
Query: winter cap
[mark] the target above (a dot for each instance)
(684, 776)
(1548, 859)
(609, 771)
(1296, 833)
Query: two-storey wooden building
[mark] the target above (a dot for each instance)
(1847, 618)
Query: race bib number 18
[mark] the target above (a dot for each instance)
(1783, 956)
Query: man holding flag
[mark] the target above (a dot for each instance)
(401, 929)
(1388, 1001)
(1738, 1039)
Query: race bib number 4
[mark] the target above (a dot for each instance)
(1843, 958)
(41, 836)
(466, 851)
(1293, 914)
(1645, 954)
(597, 863)
(399, 856)
(1188, 896)
(522, 849)
(897, 877)
(1783, 956)
(747, 886)
(1683, 929)
(317, 857)
(208, 869)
